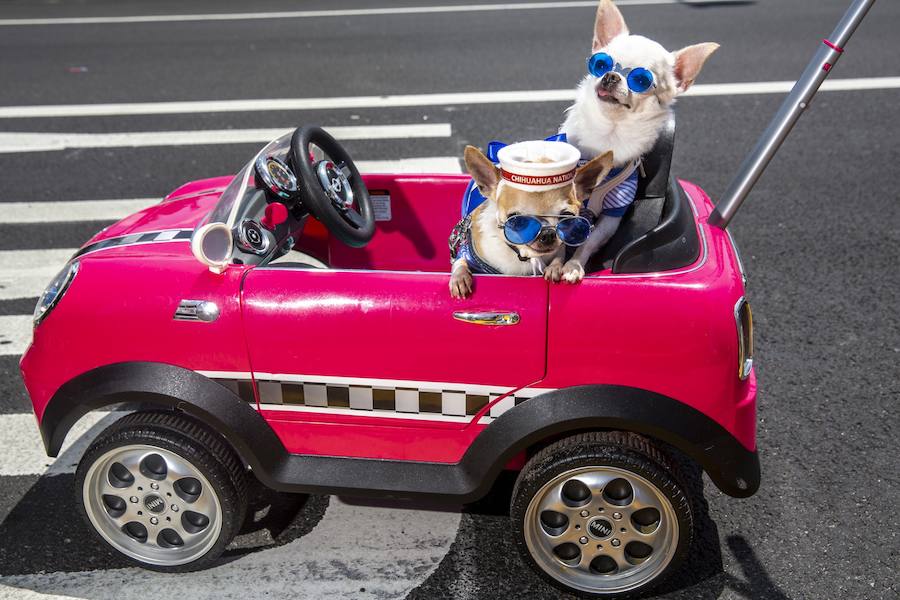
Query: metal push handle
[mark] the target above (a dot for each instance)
(487, 317)
(794, 105)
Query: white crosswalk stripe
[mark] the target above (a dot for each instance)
(113, 210)
(24, 453)
(46, 142)
(351, 12)
(400, 548)
(72, 211)
(15, 334)
(408, 100)
(25, 273)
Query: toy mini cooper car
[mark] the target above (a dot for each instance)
(333, 359)
(259, 344)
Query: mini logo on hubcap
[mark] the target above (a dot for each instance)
(600, 528)
(155, 504)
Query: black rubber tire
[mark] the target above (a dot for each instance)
(194, 442)
(624, 450)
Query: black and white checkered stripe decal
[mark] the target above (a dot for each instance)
(134, 239)
(392, 399)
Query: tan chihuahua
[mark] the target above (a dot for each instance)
(530, 213)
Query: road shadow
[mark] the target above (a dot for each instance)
(44, 532)
(756, 583)
(483, 562)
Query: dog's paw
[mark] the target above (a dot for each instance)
(461, 284)
(554, 271)
(573, 271)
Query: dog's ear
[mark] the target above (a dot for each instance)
(689, 61)
(592, 174)
(483, 171)
(609, 24)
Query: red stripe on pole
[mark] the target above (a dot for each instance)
(834, 47)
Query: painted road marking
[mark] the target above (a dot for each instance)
(407, 100)
(352, 12)
(25, 274)
(15, 334)
(360, 551)
(44, 142)
(113, 210)
(433, 164)
(23, 451)
(70, 212)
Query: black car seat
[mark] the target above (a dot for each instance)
(647, 210)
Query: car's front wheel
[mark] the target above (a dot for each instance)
(602, 514)
(163, 491)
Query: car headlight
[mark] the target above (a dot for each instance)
(743, 318)
(54, 291)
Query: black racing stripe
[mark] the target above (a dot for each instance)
(44, 236)
(120, 240)
(430, 402)
(338, 396)
(18, 306)
(475, 402)
(97, 246)
(244, 388)
(245, 391)
(384, 399)
(292, 393)
(13, 397)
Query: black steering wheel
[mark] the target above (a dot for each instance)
(328, 192)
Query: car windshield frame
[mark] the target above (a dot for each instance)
(244, 185)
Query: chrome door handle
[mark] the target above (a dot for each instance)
(487, 317)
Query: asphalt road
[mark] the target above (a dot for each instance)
(820, 238)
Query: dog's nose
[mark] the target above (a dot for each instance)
(610, 80)
(547, 236)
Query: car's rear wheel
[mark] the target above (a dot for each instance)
(163, 491)
(602, 514)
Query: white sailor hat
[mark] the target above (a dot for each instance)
(538, 165)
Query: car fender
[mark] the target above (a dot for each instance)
(732, 467)
(164, 386)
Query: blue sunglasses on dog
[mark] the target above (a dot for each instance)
(524, 229)
(639, 79)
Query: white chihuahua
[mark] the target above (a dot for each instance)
(621, 106)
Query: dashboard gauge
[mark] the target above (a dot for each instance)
(276, 177)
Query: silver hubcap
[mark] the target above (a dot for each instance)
(601, 529)
(152, 505)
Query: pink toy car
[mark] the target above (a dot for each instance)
(333, 359)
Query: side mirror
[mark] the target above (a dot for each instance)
(212, 244)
